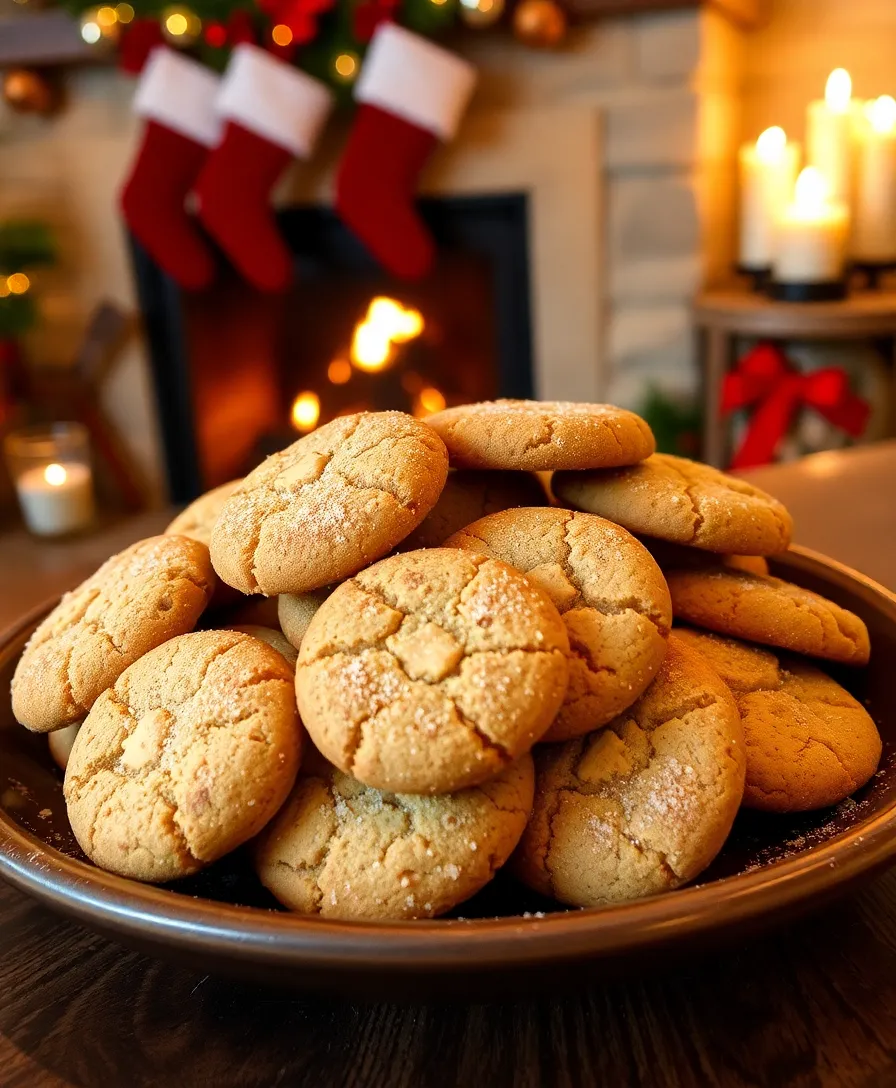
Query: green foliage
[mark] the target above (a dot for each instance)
(17, 314)
(25, 243)
(675, 423)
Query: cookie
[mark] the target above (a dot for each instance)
(684, 502)
(274, 638)
(138, 599)
(810, 744)
(771, 611)
(431, 671)
(343, 850)
(295, 611)
(542, 435)
(469, 496)
(190, 754)
(608, 589)
(61, 742)
(644, 805)
(681, 557)
(330, 504)
(197, 519)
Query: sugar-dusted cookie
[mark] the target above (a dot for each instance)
(810, 744)
(197, 519)
(542, 435)
(768, 610)
(608, 589)
(272, 637)
(138, 599)
(190, 754)
(431, 671)
(295, 611)
(343, 850)
(681, 557)
(684, 502)
(469, 496)
(330, 504)
(644, 805)
(61, 742)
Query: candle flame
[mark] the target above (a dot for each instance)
(838, 90)
(881, 113)
(812, 190)
(305, 411)
(771, 144)
(387, 323)
(55, 475)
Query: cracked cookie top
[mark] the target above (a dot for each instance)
(190, 754)
(644, 805)
(431, 671)
(764, 609)
(343, 850)
(197, 519)
(330, 504)
(542, 435)
(810, 744)
(684, 502)
(138, 599)
(608, 589)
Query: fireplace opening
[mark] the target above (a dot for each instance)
(239, 374)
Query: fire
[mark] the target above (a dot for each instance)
(305, 411)
(387, 322)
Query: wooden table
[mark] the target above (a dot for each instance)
(813, 1004)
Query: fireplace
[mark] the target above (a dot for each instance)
(238, 374)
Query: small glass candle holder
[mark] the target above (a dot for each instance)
(50, 466)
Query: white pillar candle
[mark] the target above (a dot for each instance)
(830, 135)
(874, 227)
(810, 245)
(56, 498)
(767, 176)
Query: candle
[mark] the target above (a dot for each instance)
(56, 498)
(830, 134)
(874, 229)
(810, 245)
(767, 175)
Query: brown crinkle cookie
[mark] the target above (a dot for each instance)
(138, 599)
(295, 612)
(644, 805)
(272, 637)
(432, 671)
(343, 850)
(330, 504)
(197, 519)
(611, 594)
(190, 754)
(682, 501)
(771, 611)
(542, 435)
(810, 744)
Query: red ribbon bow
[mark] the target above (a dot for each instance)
(765, 379)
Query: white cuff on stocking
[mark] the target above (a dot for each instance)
(179, 93)
(406, 75)
(274, 100)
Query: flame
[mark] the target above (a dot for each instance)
(305, 411)
(55, 475)
(771, 144)
(387, 322)
(881, 113)
(812, 191)
(838, 90)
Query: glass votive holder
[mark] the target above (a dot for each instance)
(50, 467)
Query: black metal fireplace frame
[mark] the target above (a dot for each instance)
(494, 226)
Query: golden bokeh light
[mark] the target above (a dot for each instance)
(387, 322)
(125, 13)
(339, 371)
(281, 35)
(429, 400)
(18, 283)
(305, 411)
(55, 475)
(106, 16)
(346, 66)
(176, 24)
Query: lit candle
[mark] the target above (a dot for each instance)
(810, 246)
(830, 134)
(56, 498)
(767, 175)
(874, 228)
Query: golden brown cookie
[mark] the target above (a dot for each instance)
(681, 557)
(431, 671)
(330, 504)
(469, 496)
(611, 594)
(542, 435)
(810, 744)
(272, 637)
(343, 850)
(138, 599)
(684, 502)
(769, 610)
(191, 753)
(295, 612)
(644, 805)
(61, 742)
(197, 519)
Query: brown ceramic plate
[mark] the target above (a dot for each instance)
(222, 921)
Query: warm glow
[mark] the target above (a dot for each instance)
(812, 192)
(281, 34)
(771, 145)
(339, 371)
(106, 16)
(55, 475)
(305, 411)
(838, 90)
(91, 32)
(124, 12)
(881, 112)
(429, 401)
(4, 287)
(18, 283)
(387, 323)
(176, 24)
(346, 65)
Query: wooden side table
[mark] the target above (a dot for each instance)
(721, 316)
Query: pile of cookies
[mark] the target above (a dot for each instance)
(394, 678)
